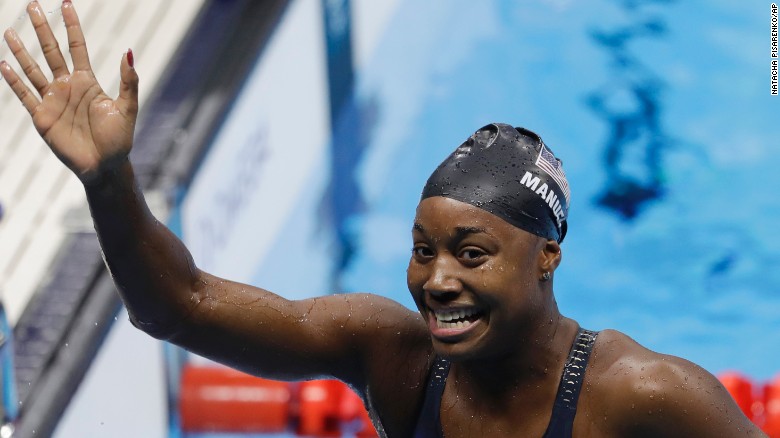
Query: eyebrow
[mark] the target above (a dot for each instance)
(460, 232)
(464, 231)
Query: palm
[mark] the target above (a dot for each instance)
(87, 130)
(83, 126)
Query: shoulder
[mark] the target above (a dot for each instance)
(383, 351)
(652, 394)
(398, 355)
(633, 372)
(373, 318)
(382, 329)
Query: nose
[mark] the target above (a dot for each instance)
(443, 279)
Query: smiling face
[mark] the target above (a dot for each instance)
(476, 279)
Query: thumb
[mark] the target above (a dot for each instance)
(128, 85)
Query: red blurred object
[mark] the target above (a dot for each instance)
(354, 416)
(225, 400)
(772, 408)
(220, 399)
(329, 408)
(741, 389)
(318, 405)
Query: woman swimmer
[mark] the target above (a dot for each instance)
(488, 354)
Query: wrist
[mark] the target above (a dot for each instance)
(110, 176)
(119, 180)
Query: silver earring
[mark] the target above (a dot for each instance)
(546, 276)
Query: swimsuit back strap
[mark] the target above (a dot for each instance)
(429, 421)
(565, 407)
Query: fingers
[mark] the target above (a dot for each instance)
(128, 86)
(76, 41)
(49, 45)
(24, 94)
(28, 64)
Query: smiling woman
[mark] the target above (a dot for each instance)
(488, 354)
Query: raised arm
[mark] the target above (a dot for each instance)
(166, 295)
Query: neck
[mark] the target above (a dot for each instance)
(539, 356)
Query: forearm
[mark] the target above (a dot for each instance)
(152, 269)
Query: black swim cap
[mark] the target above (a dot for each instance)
(510, 173)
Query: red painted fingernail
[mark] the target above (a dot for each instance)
(65, 2)
(130, 58)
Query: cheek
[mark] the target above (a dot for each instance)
(501, 274)
(518, 271)
(414, 278)
(504, 284)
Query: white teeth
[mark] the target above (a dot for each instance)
(443, 318)
(453, 325)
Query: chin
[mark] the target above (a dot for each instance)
(459, 351)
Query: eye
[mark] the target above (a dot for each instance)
(471, 254)
(421, 251)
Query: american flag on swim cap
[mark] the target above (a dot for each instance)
(553, 166)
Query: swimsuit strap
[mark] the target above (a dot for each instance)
(429, 421)
(565, 407)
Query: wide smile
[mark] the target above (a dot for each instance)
(451, 324)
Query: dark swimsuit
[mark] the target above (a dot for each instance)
(564, 409)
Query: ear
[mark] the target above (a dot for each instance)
(549, 256)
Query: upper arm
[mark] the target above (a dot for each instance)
(264, 334)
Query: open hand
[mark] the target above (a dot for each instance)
(87, 130)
